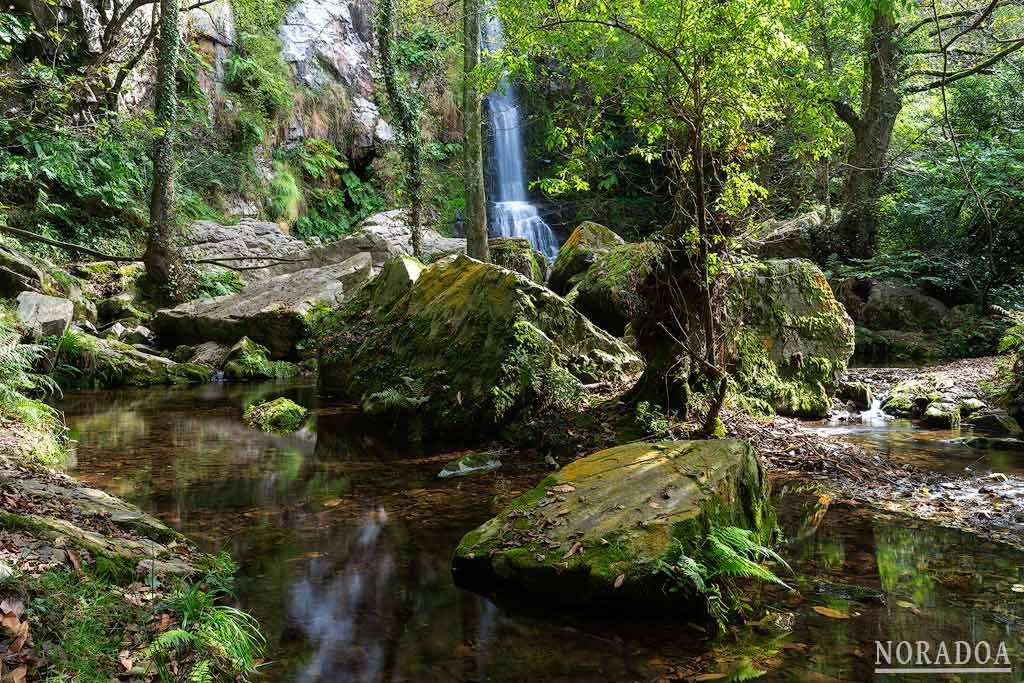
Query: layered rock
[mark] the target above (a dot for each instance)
(271, 312)
(476, 339)
(595, 531)
(794, 339)
(44, 316)
(588, 241)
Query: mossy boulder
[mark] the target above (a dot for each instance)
(247, 360)
(516, 253)
(995, 423)
(942, 415)
(594, 532)
(793, 339)
(580, 251)
(281, 416)
(858, 393)
(608, 292)
(479, 338)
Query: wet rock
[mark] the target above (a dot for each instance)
(271, 312)
(460, 332)
(991, 443)
(470, 464)
(516, 253)
(971, 406)
(608, 292)
(857, 393)
(912, 397)
(282, 415)
(210, 354)
(44, 316)
(794, 340)
(595, 530)
(942, 415)
(580, 251)
(997, 422)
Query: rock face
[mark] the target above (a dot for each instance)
(18, 273)
(615, 514)
(795, 338)
(608, 292)
(383, 236)
(44, 316)
(271, 312)
(789, 238)
(579, 252)
(475, 338)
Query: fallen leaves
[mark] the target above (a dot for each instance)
(1017, 588)
(576, 547)
(830, 613)
(619, 580)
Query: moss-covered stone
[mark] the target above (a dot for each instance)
(794, 339)
(608, 292)
(912, 397)
(282, 415)
(516, 253)
(481, 339)
(858, 393)
(614, 514)
(107, 363)
(579, 252)
(942, 415)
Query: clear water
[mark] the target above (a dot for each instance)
(344, 539)
(512, 214)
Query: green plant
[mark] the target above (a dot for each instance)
(219, 283)
(725, 554)
(652, 420)
(406, 398)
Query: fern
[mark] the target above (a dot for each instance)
(202, 672)
(1013, 339)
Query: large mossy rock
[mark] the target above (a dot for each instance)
(476, 337)
(911, 398)
(107, 363)
(794, 339)
(271, 312)
(614, 514)
(588, 241)
(280, 416)
(516, 253)
(247, 361)
(609, 291)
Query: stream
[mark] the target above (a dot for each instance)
(344, 539)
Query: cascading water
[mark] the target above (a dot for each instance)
(512, 214)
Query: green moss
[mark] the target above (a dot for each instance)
(519, 255)
(281, 415)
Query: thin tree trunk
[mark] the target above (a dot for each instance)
(476, 200)
(407, 113)
(857, 230)
(160, 258)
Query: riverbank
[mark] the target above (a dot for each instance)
(93, 589)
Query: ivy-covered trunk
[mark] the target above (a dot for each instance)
(406, 110)
(857, 231)
(161, 258)
(473, 163)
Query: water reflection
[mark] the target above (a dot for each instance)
(344, 539)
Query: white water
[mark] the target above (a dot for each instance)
(512, 214)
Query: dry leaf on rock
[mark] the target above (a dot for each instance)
(830, 613)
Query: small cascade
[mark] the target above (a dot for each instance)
(512, 214)
(874, 415)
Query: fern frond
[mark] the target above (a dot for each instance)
(202, 672)
(725, 561)
(174, 640)
(743, 542)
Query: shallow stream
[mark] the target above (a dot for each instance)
(344, 540)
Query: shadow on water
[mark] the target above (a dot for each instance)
(344, 539)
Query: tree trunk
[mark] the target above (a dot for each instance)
(406, 112)
(473, 164)
(857, 230)
(161, 258)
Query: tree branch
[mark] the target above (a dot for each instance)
(846, 114)
(977, 68)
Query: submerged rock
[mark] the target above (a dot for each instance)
(588, 241)
(594, 532)
(470, 464)
(479, 339)
(608, 292)
(282, 415)
(44, 316)
(794, 339)
(271, 312)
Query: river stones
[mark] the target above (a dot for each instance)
(996, 423)
(271, 312)
(468, 343)
(858, 393)
(942, 415)
(588, 241)
(593, 532)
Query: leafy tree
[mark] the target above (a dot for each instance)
(705, 81)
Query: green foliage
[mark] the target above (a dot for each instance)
(533, 380)
(219, 283)
(652, 420)
(256, 72)
(1013, 340)
(726, 555)
(395, 400)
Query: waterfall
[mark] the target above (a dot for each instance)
(512, 214)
